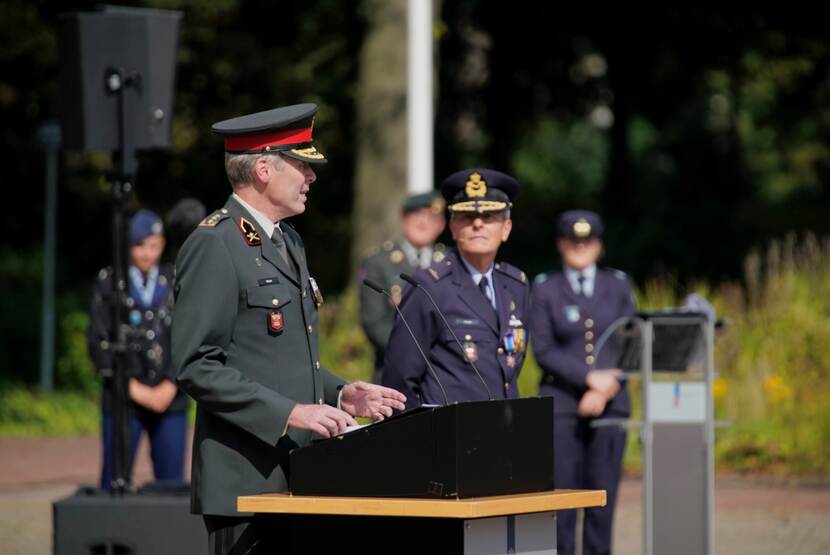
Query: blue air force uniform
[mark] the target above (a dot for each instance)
(487, 311)
(495, 340)
(570, 313)
(149, 310)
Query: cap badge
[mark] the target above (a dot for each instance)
(249, 232)
(476, 186)
(582, 228)
(436, 206)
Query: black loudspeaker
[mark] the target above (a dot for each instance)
(137, 41)
(154, 522)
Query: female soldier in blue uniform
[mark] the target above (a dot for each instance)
(570, 311)
(157, 405)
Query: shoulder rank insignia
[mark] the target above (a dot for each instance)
(619, 274)
(511, 271)
(434, 274)
(249, 232)
(438, 256)
(396, 256)
(214, 218)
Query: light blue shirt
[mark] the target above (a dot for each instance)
(590, 274)
(145, 291)
(491, 292)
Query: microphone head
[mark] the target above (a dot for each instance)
(373, 286)
(410, 280)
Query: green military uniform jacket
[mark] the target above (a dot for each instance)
(245, 347)
(384, 265)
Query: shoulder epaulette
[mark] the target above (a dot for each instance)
(619, 274)
(440, 270)
(541, 278)
(214, 218)
(371, 251)
(511, 271)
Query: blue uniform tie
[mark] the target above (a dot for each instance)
(483, 285)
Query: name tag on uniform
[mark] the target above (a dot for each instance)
(268, 280)
(572, 313)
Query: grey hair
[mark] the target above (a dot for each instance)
(241, 169)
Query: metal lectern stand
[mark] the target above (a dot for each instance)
(672, 354)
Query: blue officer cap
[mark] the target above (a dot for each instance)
(479, 190)
(143, 224)
(579, 224)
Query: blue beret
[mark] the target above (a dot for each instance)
(479, 190)
(579, 224)
(143, 224)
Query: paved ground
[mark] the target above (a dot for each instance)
(757, 516)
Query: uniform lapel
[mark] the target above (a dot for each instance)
(567, 291)
(502, 303)
(600, 287)
(267, 250)
(471, 295)
(295, 252)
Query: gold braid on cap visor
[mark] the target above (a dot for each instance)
(479, 206)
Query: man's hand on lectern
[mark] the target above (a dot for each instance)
(370, 400)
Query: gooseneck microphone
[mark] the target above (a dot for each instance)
(377, 288)
(414, 282)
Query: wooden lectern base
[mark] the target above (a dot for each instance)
(523, 523)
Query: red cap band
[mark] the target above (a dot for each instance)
(243, 143)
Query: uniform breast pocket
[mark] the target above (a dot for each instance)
(268, 296)
(270, 301)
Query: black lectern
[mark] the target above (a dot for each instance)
(463, 450)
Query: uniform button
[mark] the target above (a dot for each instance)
(589, 335)
(275, 302)
(304, 291)
(500, 351)
(152, 374)
(309, 329)
(589, 359)
(589, 323)
(319, 401)
(224, 211)
(317, 365)
(468, 338)
(589, 348)
(506, 386)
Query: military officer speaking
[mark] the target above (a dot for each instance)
(485, 303)
(422, 221)
(245, 332)
(571, 310)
